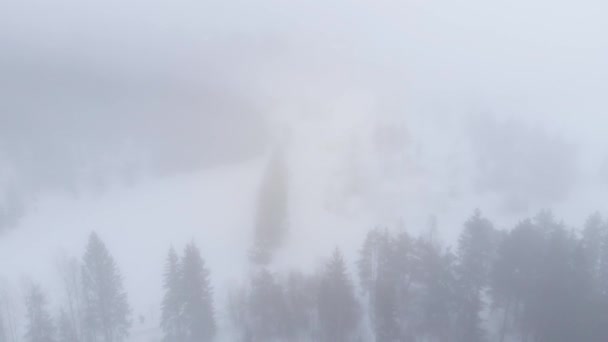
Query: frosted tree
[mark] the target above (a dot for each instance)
(199, 320)
(39, 324)
(338, 310)
(272, 211)
(107, 312)
(173, 303)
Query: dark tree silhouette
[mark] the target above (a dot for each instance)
(107, 312)
(172, 316)
(199, 318)
(337, 304)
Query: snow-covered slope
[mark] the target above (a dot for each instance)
(139, 224)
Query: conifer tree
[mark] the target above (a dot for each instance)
(338, 309)
(266, 308)
(39, 325)
(107, 312)
(173, 303)
(475, 255)
(198, 315)
(384, 280)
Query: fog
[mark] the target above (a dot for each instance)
(264, 135)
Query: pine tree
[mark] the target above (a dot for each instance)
(173, 303)
(338, 309)
(266, 308)
(475, 254)
(107, 312)
(272, 212)
(591, 241)
(39, 326)
(384, 280)
(433, 302)
(198, 315)
(300, 301)
(515, 271)
(66, 331)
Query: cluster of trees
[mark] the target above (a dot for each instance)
(297, 307)
(187, 306)
(537, 282)
(97, 309)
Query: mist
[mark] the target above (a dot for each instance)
(273, 144)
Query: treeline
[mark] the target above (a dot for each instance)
(537, 282)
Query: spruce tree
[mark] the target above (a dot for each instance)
(338, 310)
(475, 255)
(384, 279)
(173, 303)
(434, 285)
(39, 325)
(107, 312)
(199, 320)
(267, 309)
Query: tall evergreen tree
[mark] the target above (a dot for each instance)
(172, 316)
(591, 241)
(198, 315)
(337, 304)
(475, 254)
(267, 310)
(434, 283)
(107, 312)
(386, 273)
(272, 212)
(39, 325)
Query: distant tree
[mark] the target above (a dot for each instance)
(198, 315)
(337, 304)
(475, 255)
(66, 332)
(172, 316)
(271, 223)
(515, 273)
(107, 312)
(39, 324)
(591, 244)
(434, 296)
(376, 268)
(300, 302)
(275, 308)
(602, 272)
(553, 304)
(267, 309)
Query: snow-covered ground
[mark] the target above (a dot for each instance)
(139, 224)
